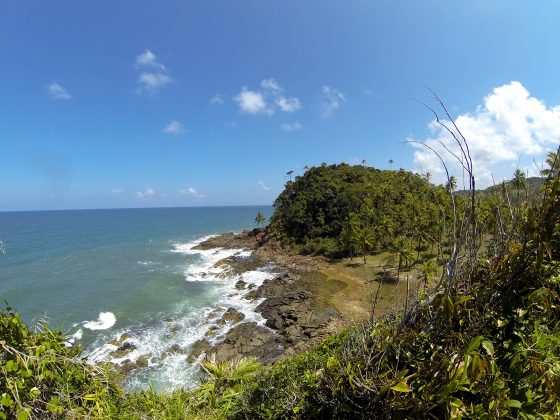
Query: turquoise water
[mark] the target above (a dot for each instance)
(101, 273)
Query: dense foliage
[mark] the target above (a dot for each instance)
(341, 209)
(40, 377)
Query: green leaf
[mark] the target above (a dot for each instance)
(475, 342)
(513, 403)
(488, 346)
(6, 401)
(402, 386)
(22, 415)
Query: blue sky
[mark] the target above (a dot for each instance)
(182, 103)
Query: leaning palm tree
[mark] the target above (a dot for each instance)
(553, 163)
(519, 181)
(260, 219)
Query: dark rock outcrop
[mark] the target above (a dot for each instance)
(231, 315)
(248, 340)
(198, 347)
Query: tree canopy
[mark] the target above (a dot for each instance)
(331, 207)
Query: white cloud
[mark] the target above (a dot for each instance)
(117, 190)
(191, 191)
(58, 91)
(263, 185)
(174, 127)
(509, 128)
(154, 75)
(153, 82)
(217, 99)
(148, 59)
(289, 127)
(333, 99)
(271, 84)
(267, 100)
(288, 104)
(146, 194)
(253, 102)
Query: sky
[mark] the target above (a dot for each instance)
(108, 104)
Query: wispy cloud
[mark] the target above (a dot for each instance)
(174, 127)
(117, 190)
(511, 127)
(333, 99)
(190, 191)
(289, 127)
(153, 76)
(57, 91)
(288, 104)
(217, 99)
(148, 59)
(267, 100)
(146, 194)
(263, 185)
(369, 92)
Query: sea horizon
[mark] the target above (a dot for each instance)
(137, 208)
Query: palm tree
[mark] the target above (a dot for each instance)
(260, 219)
(451, 184)
(366, 240)
(553, 162)
(400, 251)
(349, 234)
(363, 161)
(427, 269)
(391, 161)
(289, 174)
(519, 181)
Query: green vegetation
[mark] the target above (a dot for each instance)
(341, 210)
(482, 340)
(260, 219)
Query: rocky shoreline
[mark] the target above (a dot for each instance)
(296, 320)
(294, 303)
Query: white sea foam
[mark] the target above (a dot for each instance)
(77, 335)
(106, 320)
(187, 323)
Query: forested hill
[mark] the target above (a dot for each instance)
(329, 208)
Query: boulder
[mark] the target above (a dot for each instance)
(123, 350)
(198, 347)
(248, 340)
(231, 315)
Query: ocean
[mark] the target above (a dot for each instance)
(102, 274)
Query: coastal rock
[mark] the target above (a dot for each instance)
(119, 342)
(198, 347)
(215, 313)
(142, 361)
(123, 350)
(175, 328)
(211, 331)
(231, 315)
(248, 340)
(174, 349)
(127, 365)
(240, 285)
(245, 239)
